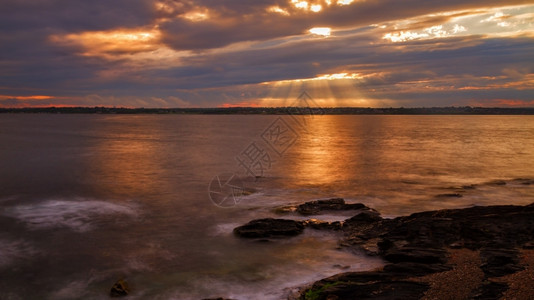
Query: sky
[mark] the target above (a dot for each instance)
(224, 53)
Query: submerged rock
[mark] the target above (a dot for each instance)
(269, 227)
(119, 289)
(449, 195)
(317, 206)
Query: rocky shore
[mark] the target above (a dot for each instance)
(472, 253)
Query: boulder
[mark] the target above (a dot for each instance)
(334, 204)
(269, 227)
(119, 289)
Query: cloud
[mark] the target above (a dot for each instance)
(167, 53)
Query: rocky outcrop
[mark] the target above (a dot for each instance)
(418, 246)
(265, 228)
(334, 204)
(365, 285)
(503, 227)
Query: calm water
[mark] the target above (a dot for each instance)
(88, 199)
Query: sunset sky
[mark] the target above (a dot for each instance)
(209, 53)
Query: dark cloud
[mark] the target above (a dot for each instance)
(233, 22)
(74, 15)
(453, 69)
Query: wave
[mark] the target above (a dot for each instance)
(14, 250)
(77, 214)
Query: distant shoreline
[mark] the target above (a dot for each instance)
(464, 110)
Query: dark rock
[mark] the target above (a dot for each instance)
(529, 245)
(263, 228)
(119, 289)
(322, 225)
(318, 206)
(489, 291)
(417, 245)
(415, 269)
(364, 285)
(456, 195)
(220, 298)
(497, 182)
(417, 255)
(500, 262)
(469, 187)
(476, 227)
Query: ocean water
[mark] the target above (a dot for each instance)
(88, 199)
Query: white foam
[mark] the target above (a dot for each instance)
(13, 250)
(76, 214)
(224, 229)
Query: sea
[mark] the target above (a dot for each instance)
(88, 199)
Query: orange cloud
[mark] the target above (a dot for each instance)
(33, 97)
(508, 102)
(239, 104)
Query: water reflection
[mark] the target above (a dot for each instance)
(128, 157)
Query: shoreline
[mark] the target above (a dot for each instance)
(311, 111)
(481, 252)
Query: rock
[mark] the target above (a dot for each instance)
(220, 298)
(264, 228)
(474, 228)
(285, 209)
(417, 245)
(415, 269)
(456, 195)
(529, 245)
(489, 290)
(318, 206)
(497, 182)
(119, 289)
(417, 255)
(500, 262)
(365, 285)
(322, 225)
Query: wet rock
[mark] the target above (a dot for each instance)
(333, 204)
(417, 245)
(365, 285)
(500, 262)
(415, 269)
(220, 298)
(497, 182)
(416, 255)
(449, 195)
(285, 209)
(322, 225)
(269, 227)
(469, 187)
(119, 289)
(529, 245)
(489, 291)
(507, 226)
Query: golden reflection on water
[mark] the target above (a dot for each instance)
(128, 160)
(318, 159)
(334, 150)
(408, 159)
